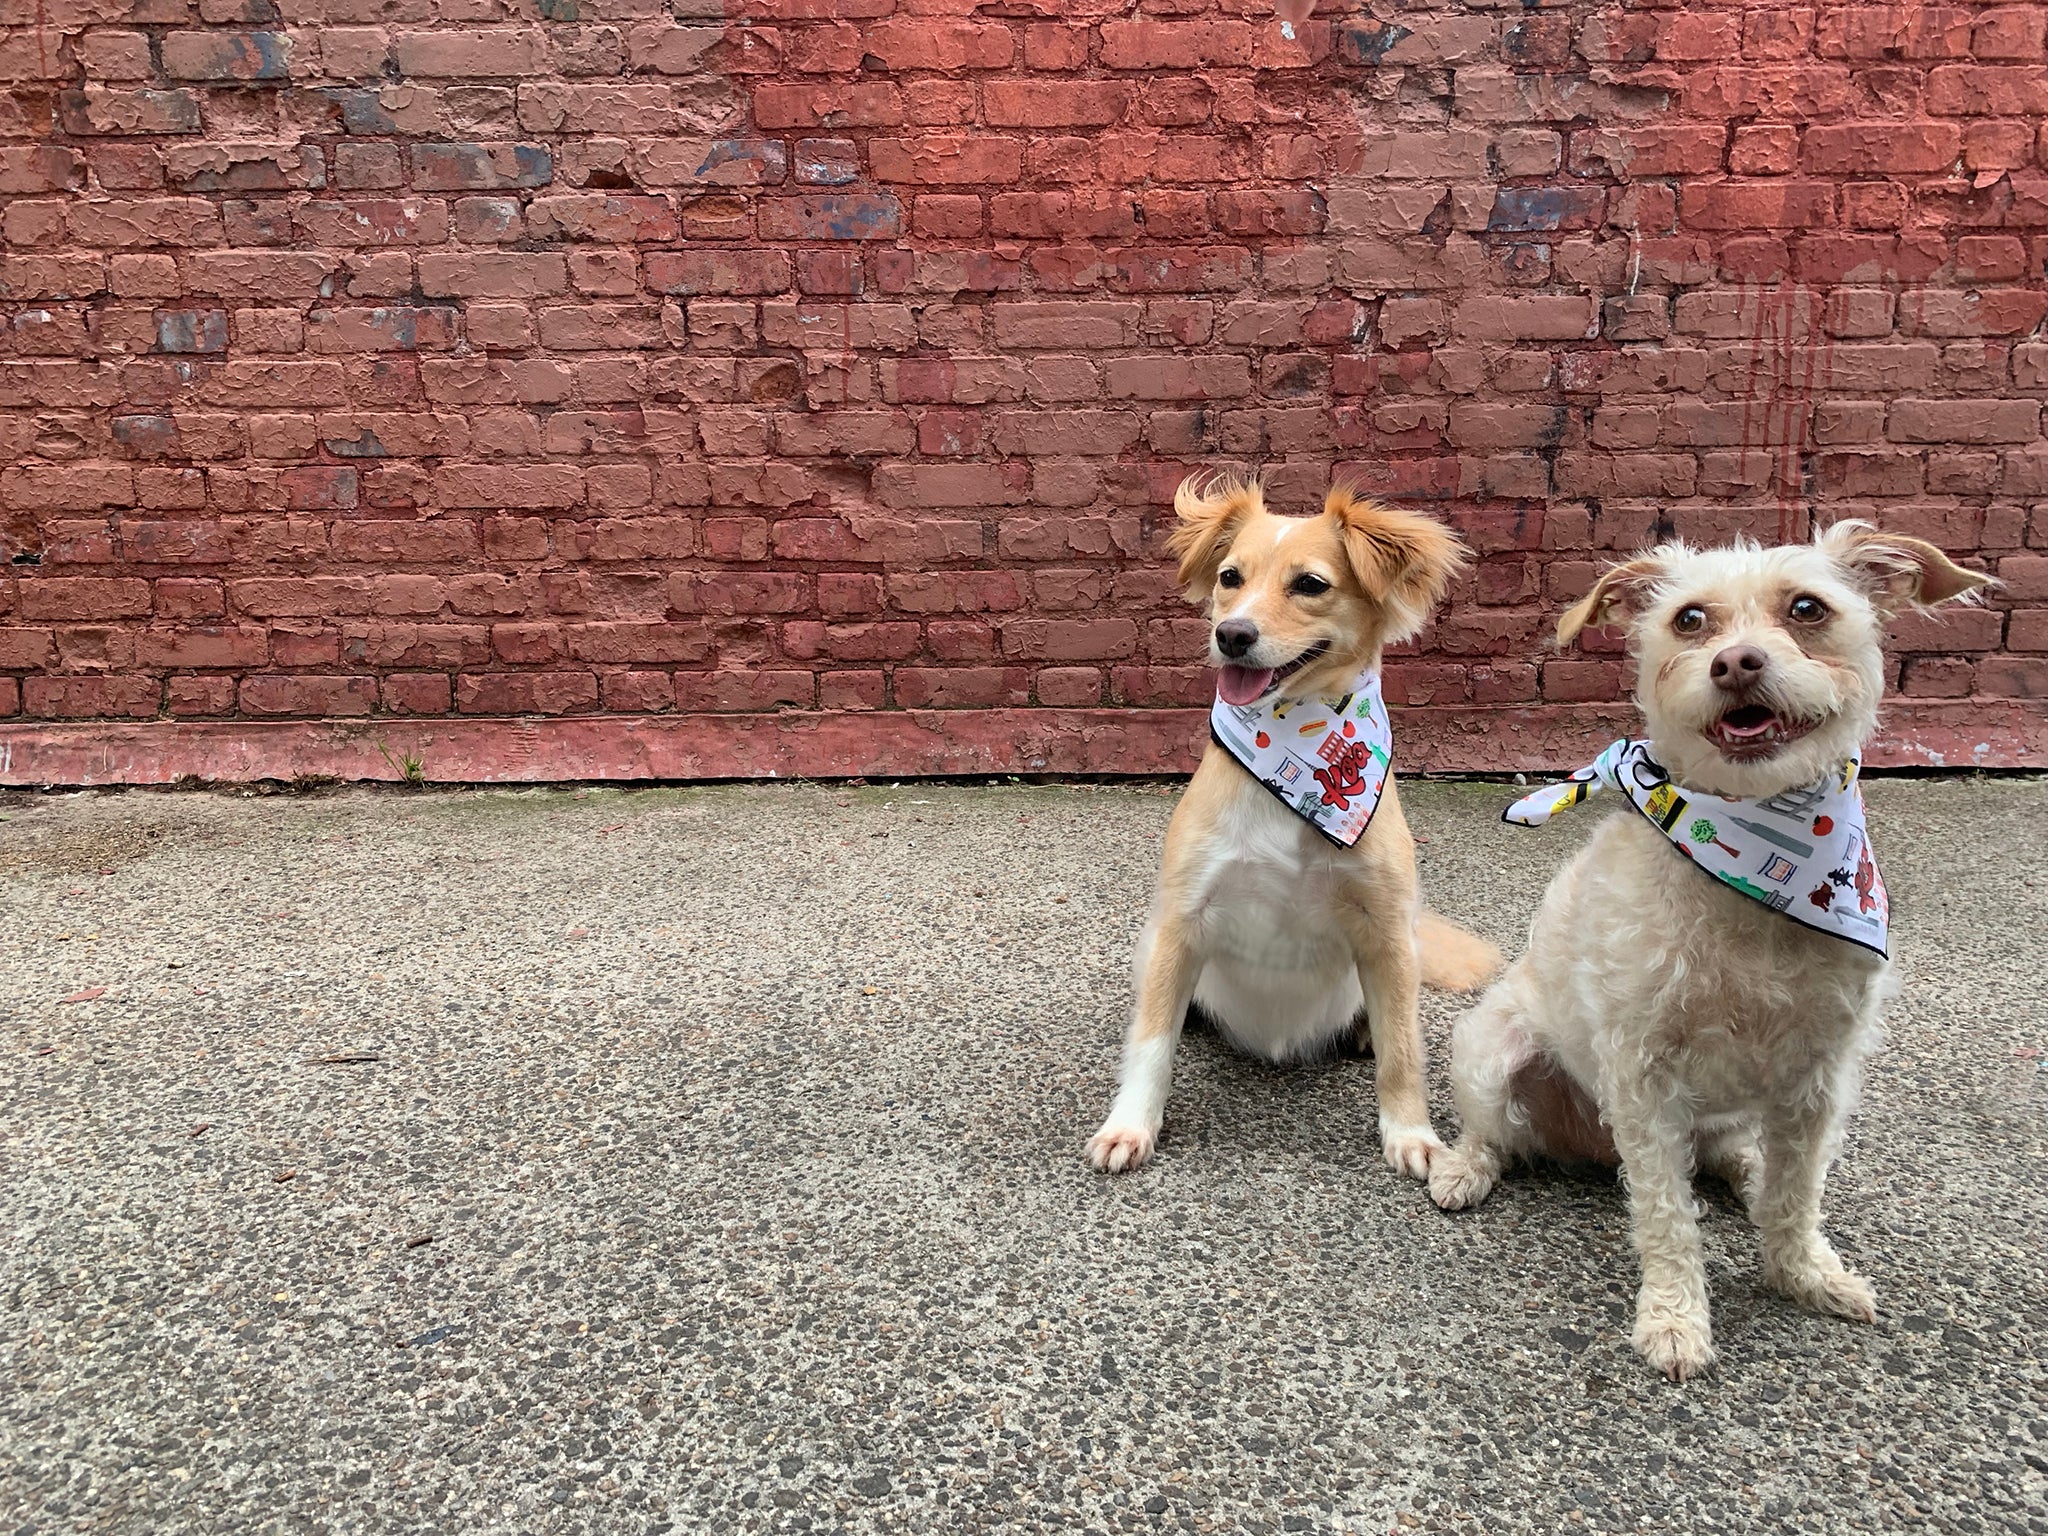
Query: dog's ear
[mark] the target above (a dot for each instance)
(1898, 572)
(1404, 560)
(1209, 511)
(1619, 594)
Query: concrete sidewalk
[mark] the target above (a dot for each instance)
(709, 1160)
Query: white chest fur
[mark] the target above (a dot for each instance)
(1279, 974)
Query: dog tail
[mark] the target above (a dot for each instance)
(1452, 957)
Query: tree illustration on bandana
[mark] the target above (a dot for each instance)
(1704, 831)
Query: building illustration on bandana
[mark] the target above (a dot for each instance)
(1325, 758)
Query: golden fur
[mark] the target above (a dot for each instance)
(1691, 1025)
(1252, 901)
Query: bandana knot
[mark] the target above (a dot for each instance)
(1804, 853)
(1325, 758)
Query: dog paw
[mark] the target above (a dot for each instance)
(1675, 1345)
(1409, 1148)
(1121, 1148)
(1831, 1289)
(1456, 1182)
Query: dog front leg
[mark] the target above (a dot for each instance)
(1799, 1143)
(1488, 1047)
(1673, 1329)
(1166, 985)
(1390, 978)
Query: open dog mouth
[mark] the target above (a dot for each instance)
(1247, 685)
(1751, 731)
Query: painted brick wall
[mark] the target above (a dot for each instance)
(635, 386)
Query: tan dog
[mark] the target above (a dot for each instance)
(1661, 1017)
(1280, 935)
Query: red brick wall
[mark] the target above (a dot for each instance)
(816, 380)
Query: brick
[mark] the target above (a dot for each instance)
(1055, 103)
(1167, 45)
(927, 44)
(308, 695)
(468, 53)
(396, 328)
(1964, 421)
(1974, 312)
(91, 697)
(1983, 90)
(227, 56)
(827, 216)
(1882, 147)
(209, 646)
(947, 159)
(469, 167)
(492, 274)
(1163, 377)
(961, 687)
(1558, 317)
(748, 691)
(1753, 205)
(498, 486)
(111, 110)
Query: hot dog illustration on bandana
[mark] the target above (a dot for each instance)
(1805, 853)
(1325, 758)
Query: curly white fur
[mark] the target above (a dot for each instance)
(1665, 1021)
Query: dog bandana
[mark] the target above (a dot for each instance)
(1804, 853)
(1326, 758)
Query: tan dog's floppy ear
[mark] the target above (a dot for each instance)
(1898, 571)
(1209, 511)
(1404, 560)
(1620, 592)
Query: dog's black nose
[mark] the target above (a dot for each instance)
(1738, 668)
(1236, 637)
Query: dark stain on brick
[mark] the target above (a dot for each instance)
(726, 152)
(1545, 208)
(361, 111)
(1303, 377)
(191, 330)
(767, 157)
(852, 218)
(1369, 42)
(1526, 261)
(535, 164)
(271, 52)
(147, 435)
(364, 445)
(560, 10)
(1438, 225)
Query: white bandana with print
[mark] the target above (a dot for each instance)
(1804, 853)
(1325, 758)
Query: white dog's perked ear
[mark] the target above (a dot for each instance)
(1619, 594)
(1896, 571)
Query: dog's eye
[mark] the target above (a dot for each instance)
(1308, 584)
(1689, 620)
(1808, 610)
(1228, 577)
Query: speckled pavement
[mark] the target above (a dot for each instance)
(710, 1160)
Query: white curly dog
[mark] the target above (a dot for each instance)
(1668, 1022)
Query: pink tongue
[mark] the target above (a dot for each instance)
(1243, 685)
